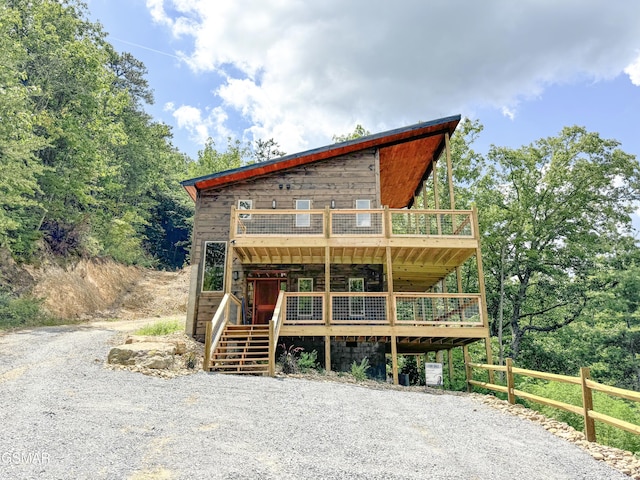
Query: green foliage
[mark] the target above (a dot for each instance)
(359, 370)
(308, 361)
(164, 327)
(572, 394)
(264, 150)
(21, 312)
(410, 367)
(358, 131)
(80, 157)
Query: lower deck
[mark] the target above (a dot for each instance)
(400, 324)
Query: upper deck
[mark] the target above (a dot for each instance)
(423, 246)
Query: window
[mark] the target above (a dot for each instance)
(215, 255)
(303, 219)
(245, 205)
(356, 304)
(305, 304)
(363, 219)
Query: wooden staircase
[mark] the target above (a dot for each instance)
(242, 349)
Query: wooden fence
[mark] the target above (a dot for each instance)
(588, 387)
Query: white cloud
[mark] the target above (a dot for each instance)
(302, 71)
(510, 113)
(200, 126)
(633, 70)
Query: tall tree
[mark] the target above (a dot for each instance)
(552, 211)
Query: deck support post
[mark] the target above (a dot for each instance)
(450, 365)
(467, 367)
(327, 353)
(394, 359)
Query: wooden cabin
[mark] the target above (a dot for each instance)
(323, 249)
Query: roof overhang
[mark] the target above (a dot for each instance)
(406, 157)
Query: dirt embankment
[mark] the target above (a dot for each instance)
(101, 288)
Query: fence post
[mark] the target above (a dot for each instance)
(510, 395)
(587, 405)
(467, 367)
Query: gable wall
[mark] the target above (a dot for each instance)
(343, 179)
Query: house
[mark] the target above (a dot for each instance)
(325, 249)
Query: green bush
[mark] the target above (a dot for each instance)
(359, 371)
(164, 327)
(22, 312)
(308, 361)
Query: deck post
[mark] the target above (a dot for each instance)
(327, 353)
(394, 359)
(272, 350)
(207, 346)
(483, 295)
(450, 365)
(467, 367)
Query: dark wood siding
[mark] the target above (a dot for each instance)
(342, 179)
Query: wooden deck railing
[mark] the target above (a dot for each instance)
(587, 385)
(354, 223)
(371, 308)
(229, 311)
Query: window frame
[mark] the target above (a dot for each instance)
(303, 219)
(363, 220)
(204, 266)
(246, 201)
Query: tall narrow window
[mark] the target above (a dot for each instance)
(245, 205)
(303, 219)
(305, 304)
(356, 304)
(363, 219)
(215, 255)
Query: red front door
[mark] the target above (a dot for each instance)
(266, 297)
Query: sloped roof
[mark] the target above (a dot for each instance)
(406, 156)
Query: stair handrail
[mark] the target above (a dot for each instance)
(274, 332)
(215, 328)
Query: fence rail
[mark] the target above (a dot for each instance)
(587, 385)
(354, 223)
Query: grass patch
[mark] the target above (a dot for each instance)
(164, 327)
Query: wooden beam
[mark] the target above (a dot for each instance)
(327, 353)
(394, 359)
(450, 365)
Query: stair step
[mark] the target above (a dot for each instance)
(247, 355)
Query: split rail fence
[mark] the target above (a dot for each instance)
(587, 385)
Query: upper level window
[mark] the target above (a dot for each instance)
(245, 205)
(303, 219)
(215, 254)
(363, 219)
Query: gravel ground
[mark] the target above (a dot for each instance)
(64, 416)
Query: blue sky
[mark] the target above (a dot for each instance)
(302, 72)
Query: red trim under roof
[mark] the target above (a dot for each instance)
(380, 141)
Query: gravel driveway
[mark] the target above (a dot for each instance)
(64, 416)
